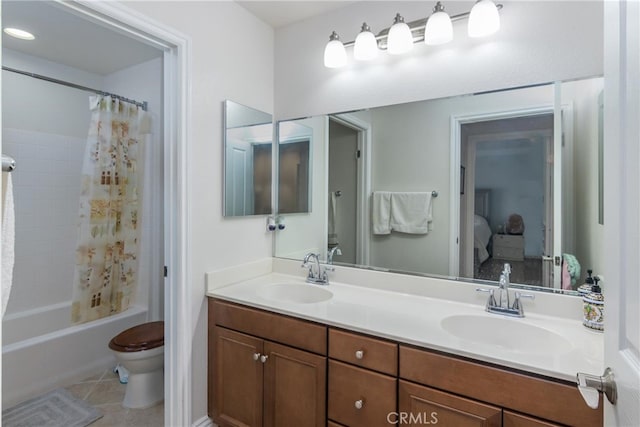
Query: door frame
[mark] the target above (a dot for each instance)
(456, 122)
(177, 133)
(363, 236)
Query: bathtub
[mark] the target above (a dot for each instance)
(42, 351)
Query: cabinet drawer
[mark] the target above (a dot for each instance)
(428, 406)
(539, 397)
(275, 327)
(511, 419)
(363, 351)
(348, 385)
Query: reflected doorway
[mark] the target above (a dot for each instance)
(506, 200)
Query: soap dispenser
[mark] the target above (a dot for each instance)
(593, 307)
(585, 289)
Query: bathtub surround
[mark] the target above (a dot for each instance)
(108, 233)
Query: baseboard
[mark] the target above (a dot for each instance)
(204, 422)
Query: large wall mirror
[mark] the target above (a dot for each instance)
(248, 135)
(456, 187)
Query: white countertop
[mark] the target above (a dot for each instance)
(416, 320)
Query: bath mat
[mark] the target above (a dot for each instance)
(53, 409)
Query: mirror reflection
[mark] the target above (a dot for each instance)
(247, 160)
(294, 166)
(516, 178)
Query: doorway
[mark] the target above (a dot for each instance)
(348, 172)
(506, 200)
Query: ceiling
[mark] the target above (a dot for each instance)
(68, 39)
(281, 13)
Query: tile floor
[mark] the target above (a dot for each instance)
(105, 393)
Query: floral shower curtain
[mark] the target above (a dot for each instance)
(107, 252)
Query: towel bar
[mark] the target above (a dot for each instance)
(8, 163)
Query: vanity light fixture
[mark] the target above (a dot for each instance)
(484, 20)
(439, 29)
(366, 45)
(400, 38)
(335, 55)
(19, 34)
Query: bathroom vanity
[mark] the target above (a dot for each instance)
(283, 352)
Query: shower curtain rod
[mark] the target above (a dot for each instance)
(75, 86)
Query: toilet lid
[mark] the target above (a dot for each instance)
(142, 337)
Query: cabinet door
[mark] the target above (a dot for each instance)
(238, 379)
(294, 387)
(422, 405)
(511, 419)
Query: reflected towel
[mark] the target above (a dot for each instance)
(331, 230)
(411, 212)
(8, 239)
(381, 212)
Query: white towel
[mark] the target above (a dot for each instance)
(8, 240)
(381, 212)
(411, 212)
(333, 207)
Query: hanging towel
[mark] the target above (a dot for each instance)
(333, 207)
(381, 212)
(411, 212)
(8, 239)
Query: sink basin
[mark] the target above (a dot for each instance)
(509, 334)
(295, 293)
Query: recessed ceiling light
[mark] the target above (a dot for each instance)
(19, 34)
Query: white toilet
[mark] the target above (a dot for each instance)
(141, 351)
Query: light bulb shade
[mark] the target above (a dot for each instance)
(438, 29)
(366, 46)
(484, 19)
(400, 39)
(335, 56)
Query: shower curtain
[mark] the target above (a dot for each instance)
(107, 251)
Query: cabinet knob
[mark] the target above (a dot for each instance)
(263, 358)
(256, 356)
(359, 404)
(359, 354)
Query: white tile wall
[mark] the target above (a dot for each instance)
(46, 186)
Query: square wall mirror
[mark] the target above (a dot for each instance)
(248, 135)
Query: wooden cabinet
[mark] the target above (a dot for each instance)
(267, 369)
(359, 396)
(424, 405)
(514, 391)
(257, 382)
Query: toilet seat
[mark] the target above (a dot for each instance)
(141, 337)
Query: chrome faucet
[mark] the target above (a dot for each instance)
(502, 305)
(333, 251)
(318, 276)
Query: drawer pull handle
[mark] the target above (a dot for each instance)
(263, 358)
(359, 354)
(359, 404)
(256, 356)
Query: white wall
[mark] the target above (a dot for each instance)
(589, 235)
(513, 171)
(539, 41)
(231, 58)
